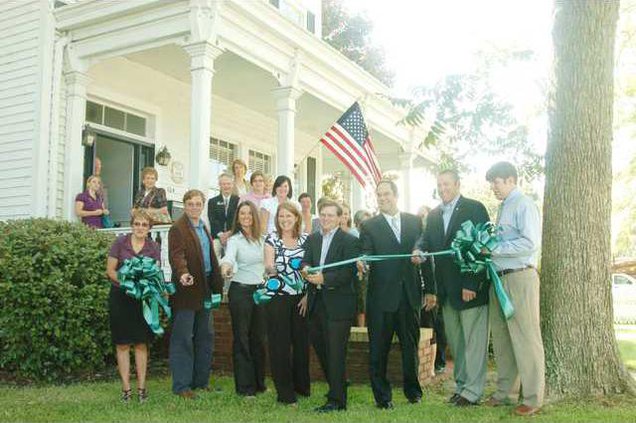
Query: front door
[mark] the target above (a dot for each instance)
(121, 166)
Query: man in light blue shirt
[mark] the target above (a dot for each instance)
(517, 342)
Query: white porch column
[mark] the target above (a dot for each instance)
(202, 55)
(286, 108)
(406, 164)
(76, 82)
(358, 196)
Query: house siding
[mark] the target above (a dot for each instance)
(19, 74)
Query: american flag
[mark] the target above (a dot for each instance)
(349, 140)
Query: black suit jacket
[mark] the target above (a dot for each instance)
(219, 221)
(338, 291)
(450, 281)
(389, 279)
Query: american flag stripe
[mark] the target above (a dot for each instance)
(345, 151)
(348, 139)
(360, 152)
(352, 147)
(335, 149)
(368, 147)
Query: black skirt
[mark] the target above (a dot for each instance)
(127, 323)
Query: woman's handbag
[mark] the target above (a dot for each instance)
(158, 217)
(107, 222)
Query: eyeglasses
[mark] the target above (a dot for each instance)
(141, 224)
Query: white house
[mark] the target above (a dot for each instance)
(210, 80)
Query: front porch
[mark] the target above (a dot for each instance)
(213, 81)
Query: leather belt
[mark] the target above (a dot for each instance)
(508, 271)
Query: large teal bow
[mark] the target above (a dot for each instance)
(142, 279)
(472, 246)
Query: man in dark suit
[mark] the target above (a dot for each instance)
(221, 209)
(462, 296)
(394, 294)
(331, 300)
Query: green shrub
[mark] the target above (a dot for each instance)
(53, 299)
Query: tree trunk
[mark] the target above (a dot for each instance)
(581, 351)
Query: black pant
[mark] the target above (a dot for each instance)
(288, 344)
(330, 338)
(248, 348)
(382, 325)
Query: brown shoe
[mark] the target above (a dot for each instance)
(189, 395)
(494, 402)
(526, 410)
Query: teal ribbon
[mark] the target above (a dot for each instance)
(273, 286)
(213, 302)
(473, 245)
(471, 249)
(142, 279)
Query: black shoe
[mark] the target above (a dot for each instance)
(463, 402)
(454, 398)
(329, 407)
(415, 400)
(126, 394)
(388, 405)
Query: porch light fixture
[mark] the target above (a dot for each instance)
(163, 156)
(88, 136)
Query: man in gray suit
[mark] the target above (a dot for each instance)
(463, 297)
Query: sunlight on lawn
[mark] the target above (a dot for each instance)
(626, 336)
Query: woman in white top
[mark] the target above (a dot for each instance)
(243, 264)
(239, 170)
(281, 193)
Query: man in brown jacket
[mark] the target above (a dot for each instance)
(196, 275)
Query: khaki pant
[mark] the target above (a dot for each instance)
(467, 335)
(517, 342)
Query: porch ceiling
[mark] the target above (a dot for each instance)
(244, 83)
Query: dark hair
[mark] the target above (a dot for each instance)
(280, 180)
(503, 170)
(255, 175)
(331, 203)
(392, 184)
(256, 223)
(304, 195)
(293, 210)
(451, 172)
(358, 217)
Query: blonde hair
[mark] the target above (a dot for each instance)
(90, 179)
(241, 162)
(140, 214)
(149, 171)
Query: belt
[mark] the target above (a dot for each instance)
(508, 271)
(244, 285)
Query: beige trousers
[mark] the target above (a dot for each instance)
(517, 342)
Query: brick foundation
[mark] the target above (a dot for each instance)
(357, 357)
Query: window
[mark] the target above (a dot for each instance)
(222, 154)
(260, 161)
(115, 118)
(311, 22)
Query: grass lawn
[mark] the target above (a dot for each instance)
(99, 401)
(626, 336)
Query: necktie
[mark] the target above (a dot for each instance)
(225, 203)
(395, 222)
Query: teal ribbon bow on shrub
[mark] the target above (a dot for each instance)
(471, 249)
(141, 278)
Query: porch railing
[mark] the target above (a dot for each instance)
(159, 233)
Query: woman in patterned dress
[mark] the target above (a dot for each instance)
(287, 330)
